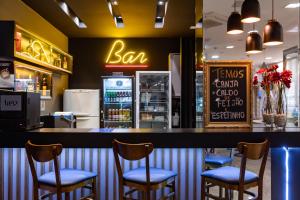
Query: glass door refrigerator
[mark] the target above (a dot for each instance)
(199, 99)
(117, 100)
(153, 99)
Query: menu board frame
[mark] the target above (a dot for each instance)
(207, 94)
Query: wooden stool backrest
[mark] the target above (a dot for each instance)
(253, 151)
(43, 153)
(132, 152)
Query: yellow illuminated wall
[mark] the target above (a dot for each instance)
(18, 11)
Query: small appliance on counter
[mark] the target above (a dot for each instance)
(59, 120)
(19, 110)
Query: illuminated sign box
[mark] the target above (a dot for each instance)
(118, 57)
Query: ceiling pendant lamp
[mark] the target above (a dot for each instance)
(234, 24)
(253, 42)
(250, 11)
(273, 33)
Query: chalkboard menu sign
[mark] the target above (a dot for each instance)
(227, 94)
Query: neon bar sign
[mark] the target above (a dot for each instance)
(119, 57)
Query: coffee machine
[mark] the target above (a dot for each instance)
(19, 110)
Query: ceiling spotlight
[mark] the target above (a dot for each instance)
(268, 58)
(253, 43)
(250, 11)
(230, 47)
(273, 32)
(215, 57)
(115, 3)
(70, 13)
(161, 3)
(293, 5)
(234, 24)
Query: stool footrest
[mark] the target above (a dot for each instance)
(44, 196)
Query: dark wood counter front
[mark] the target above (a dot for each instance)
(169, 138)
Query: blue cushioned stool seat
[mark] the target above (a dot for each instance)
(68, 177)
(156, 175)
(216, 159)
(230, 175)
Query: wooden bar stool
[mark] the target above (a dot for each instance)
(59, 181)
(212, 160)
(143, 179)
(240, 179)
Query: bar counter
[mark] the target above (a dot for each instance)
(175, 149)
(161, 138)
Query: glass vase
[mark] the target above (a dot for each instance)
(268, 109)
(280, 117)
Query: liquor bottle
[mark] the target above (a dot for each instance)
(42, 56)
(29, 48)
(65, 63)
(51, 56)
(37, 85)
(18, 41)
(44, 86)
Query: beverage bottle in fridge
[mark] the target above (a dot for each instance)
(106, 97)
(121, 96)
(112, 114)
(118, 115)
(117, 96)
(109, 115)
(114, 97)
(129, 115)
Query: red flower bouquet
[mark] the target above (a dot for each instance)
(271, 78)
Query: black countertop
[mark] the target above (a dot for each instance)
(161, 138)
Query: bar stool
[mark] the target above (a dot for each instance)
(59, 181)
(240, 179)
(213, 161)
(143, 179)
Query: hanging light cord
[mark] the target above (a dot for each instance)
(272, 9)
(234, 5)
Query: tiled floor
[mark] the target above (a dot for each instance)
(253, 166)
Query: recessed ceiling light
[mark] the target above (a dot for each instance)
(71, 14)
(268, 58)
(161, 3)
(215, 57)
(230, 47)
(293, 5)
(295, 29)
(115, 3)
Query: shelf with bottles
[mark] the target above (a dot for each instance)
(154, 109)
(33, 79)
(153, 117)
(117, 96)
(118, 115)
(36, 50)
